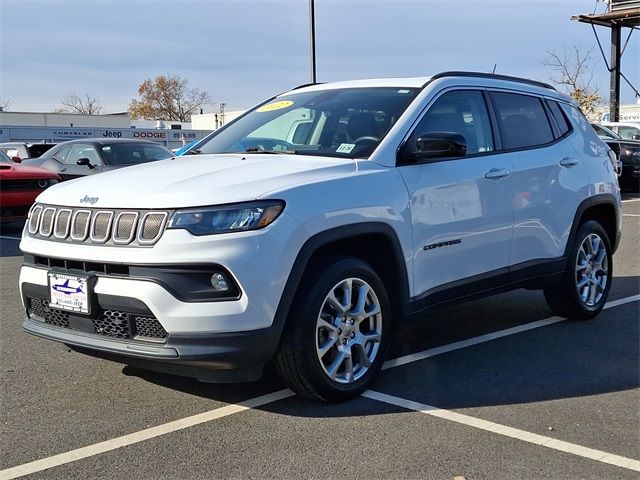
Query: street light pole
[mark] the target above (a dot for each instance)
(312, 31)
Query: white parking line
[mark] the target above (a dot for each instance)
(630, 215)
(432, 352)
(5, 237)
(631, 200)
(507, 431)
(136, 437)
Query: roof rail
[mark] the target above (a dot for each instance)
(491, 75)
(306, 85)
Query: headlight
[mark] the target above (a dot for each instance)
(239, 217)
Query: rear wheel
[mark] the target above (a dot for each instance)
(584, 288)
(334, 341)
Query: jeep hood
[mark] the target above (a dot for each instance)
(195, 181)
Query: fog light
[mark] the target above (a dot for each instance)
(219, 283)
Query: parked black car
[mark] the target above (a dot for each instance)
(77, 158)
(628, 152)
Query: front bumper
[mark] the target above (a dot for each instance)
(226, 357)
(113, 331)
(222, 335)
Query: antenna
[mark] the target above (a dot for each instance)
(495, 65)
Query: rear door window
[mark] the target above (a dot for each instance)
(522, 120)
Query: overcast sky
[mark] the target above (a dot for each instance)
(242, 51)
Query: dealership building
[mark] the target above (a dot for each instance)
(31, 127)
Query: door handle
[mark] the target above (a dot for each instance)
(63, 169)
(568, 162)
(496, 174)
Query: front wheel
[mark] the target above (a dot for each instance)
(334, 341)
(584, 288)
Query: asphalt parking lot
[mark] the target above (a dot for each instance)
(490, 389)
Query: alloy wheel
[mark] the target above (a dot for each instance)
(592, 269)
(348, 330)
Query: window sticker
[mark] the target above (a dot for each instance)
(404, 91)
(269, 107)
(345, 147)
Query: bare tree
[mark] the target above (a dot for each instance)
(167, 97)
(73, 103)
(573, 72)
(5, 104)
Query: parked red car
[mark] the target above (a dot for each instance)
(19, 187)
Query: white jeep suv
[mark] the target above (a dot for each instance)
(303, 231)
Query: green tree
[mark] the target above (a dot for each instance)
(167, 97)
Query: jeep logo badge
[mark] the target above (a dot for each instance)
(88, 199)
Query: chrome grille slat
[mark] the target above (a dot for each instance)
(101, 226)
(125, 227)
(97, 226)
(34, 219)
(46, 224)
(62, 223)
(80, 225)
(151, 227)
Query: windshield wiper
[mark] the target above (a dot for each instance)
(270, 152)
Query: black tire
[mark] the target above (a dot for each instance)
(297, 360)
(564, 298)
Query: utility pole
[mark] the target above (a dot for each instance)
(614, 92)
(312, 31)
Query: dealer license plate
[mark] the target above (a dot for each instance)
(69, 292)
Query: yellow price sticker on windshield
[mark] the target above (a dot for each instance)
(275, 106)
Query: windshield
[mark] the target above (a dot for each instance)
(347, 122)
(130, 153)
(4, 158)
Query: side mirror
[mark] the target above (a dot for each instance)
(16, 159)
(635, 137)
(86, 162)
(440, 145)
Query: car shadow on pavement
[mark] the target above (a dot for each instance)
(564, 360)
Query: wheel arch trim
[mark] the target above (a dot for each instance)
(583, 207)
(326, 237)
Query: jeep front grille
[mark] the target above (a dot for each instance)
(93, 226)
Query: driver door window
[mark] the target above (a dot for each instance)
(82, 151)
(462, 112)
